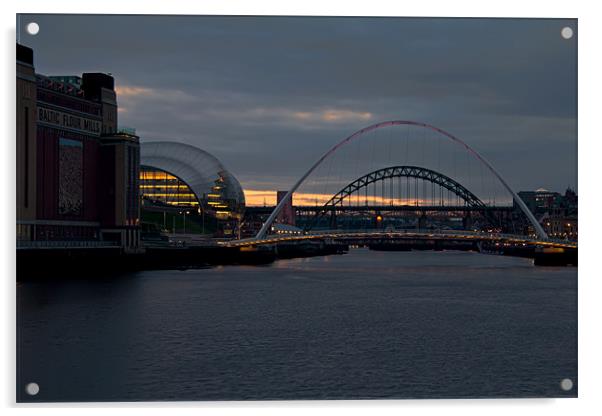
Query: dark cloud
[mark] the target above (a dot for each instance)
(269, 95)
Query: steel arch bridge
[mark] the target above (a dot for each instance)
(380, 175)
(358, 134)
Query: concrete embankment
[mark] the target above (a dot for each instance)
(542, 256)
(93, 262)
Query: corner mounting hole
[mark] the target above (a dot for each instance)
(566, 32)
(32, 389)
(566, 384)
(33, 28)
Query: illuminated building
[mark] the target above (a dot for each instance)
(77, 175)
(557, 213)
(182, 175)
(160, 186)
(561, 227)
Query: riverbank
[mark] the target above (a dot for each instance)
(97, 261)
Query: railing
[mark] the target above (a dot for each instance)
(275, 238)
(437, 232)
(425, 232)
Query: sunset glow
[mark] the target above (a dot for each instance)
(259, 198)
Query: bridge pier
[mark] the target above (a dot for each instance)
(555, 256)
(467, 221)
(422, 222)
(333, 220)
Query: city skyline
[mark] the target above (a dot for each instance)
(252, 89)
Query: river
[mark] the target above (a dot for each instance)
(361, 325)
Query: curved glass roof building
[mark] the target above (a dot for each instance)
(183, 175)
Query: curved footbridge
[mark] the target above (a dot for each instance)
(364, 237)
(539, 244)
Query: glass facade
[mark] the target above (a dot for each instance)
(216, 200)
(159, 186)
(180, 175)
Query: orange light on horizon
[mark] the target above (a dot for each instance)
(256, 198)
(259, 198)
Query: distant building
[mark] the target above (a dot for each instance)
(287, 213)
(569, 202)
(541, 200)
(561, 227)
(77, 175)
(556, 213)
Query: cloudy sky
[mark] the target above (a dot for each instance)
(269, 95)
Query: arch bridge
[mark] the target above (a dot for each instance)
(444, 135)
(470, 200)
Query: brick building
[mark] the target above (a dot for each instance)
(77, 175)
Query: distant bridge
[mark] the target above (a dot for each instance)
(313, 209)
(380, 176)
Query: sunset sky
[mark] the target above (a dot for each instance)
(268, 96)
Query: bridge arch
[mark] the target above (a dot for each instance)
(538, 228)
(418, 172)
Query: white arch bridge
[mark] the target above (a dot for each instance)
(542, 239)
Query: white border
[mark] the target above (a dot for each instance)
(590, 71)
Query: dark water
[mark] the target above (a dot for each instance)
(363, 325)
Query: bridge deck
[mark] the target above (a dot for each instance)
(354, 235)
